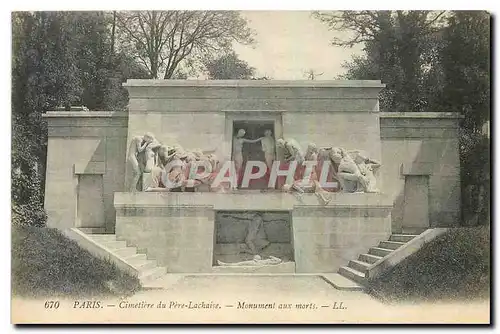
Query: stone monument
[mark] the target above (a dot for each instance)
(141, 176)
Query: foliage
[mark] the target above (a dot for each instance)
(429, 61)
(398, 50)
(229, 66)
(466, 66)
(45, 263)
(61, 59)
(164, 40)
(58, 59)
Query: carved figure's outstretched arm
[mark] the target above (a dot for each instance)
(251, 141)
(374, 163)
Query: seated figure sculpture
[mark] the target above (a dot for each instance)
(175, 169)
(367, 168)
(355, 174)
(312, 184)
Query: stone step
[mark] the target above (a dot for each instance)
(143, 265)
(352, 274)
(125, 252)
(359, 265)
(380, 251)
(152, 274)
(402, 237)
(413, 230)
(369, 258)
(102, 237)
(391, 244)
(340, 282)
(136, 257)
(113, 245)
(92, 230)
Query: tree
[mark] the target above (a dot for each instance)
(44, 67)
(466, 66)
(163, 40)
(431, 61)
(229, 66)
(398, 49)
(58, 59)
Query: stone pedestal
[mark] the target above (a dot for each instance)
(178, 229)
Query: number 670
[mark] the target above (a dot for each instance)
(51, 304)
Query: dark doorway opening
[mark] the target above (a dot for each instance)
(253, 151)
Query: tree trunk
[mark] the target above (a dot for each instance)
(113, 29)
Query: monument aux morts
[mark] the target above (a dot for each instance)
(251, 176)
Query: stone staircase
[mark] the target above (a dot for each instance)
(146, 270)
(356, 269)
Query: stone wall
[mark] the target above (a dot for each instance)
(326, 238)
(199, 114)
(177, 229)
(422, 144)
(180, 238)
(86, 157)
(85, 167)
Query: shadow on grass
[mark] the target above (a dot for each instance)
(454, 266)
(46, 263)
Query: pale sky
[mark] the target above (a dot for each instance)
(292, 42)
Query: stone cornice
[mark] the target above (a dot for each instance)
(255, 83)
(85, 114)
(420, 115)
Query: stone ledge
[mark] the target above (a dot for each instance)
(348, 211)
(420, 115)
(253, 83)
(249, 201)
(84, 114)
(423, 168)
(92, 168)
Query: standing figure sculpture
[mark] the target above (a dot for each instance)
(268, 147)
(256, 238)
(138, 146)
(238, 142)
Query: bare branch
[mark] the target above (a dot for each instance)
(166, 38)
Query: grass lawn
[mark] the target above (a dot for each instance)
(45, 263)
(454, 266)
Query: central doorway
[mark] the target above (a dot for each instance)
(253, 151)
